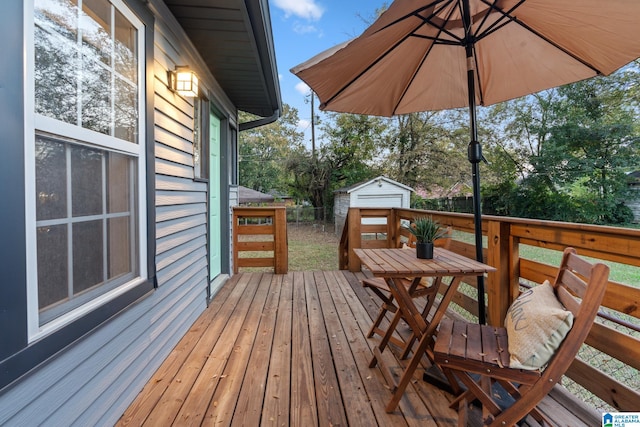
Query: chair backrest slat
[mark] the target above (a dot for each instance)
(568, 300)
(574, 283)
(590, 292)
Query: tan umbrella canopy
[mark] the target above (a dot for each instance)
(432, 55)
(413, 58)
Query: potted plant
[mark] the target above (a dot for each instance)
(426, 230)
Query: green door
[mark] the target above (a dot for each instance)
(215, 219)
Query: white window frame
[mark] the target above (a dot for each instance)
(36, 122)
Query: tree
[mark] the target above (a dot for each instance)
(427, 150)
(346, 157)
(520, 129)
(596, 128)
(570, 148)
(264, 151)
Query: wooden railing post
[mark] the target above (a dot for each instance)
(499, 282)
(281, 250)
(355, 238)
(393, 230)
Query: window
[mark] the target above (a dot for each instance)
(201, 138)
(89, 157)
(87, 66)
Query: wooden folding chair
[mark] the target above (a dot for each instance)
(417, 289)
(478, 354)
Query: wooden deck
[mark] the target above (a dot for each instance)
(285, 350)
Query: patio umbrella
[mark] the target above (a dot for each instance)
(433, 55)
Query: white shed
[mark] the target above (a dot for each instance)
(380, 192)
(633, 181)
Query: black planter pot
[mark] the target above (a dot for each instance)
(424, 250)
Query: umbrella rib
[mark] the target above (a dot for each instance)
(383, 55)
(493, 29)
(436, 40)
(557, 46)
(414, 12)
(477, 76)
(424, 58)
(442, 28)
(361, 73)
(427, 20)
(514, 19)
(499, 22)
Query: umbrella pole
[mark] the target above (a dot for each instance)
(476, 150)
(474, 154)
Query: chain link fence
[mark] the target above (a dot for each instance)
(318, 218)
(611, 366)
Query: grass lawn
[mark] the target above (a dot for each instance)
(312, 249)
(622, 273)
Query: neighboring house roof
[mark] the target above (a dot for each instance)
(381, 178)
(235, 40)
(633, 177)
(278, 195)
(249, 195)
(459, 189)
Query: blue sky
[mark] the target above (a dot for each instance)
(304, 28)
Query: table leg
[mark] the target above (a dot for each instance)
(387, 336)
(426, 336)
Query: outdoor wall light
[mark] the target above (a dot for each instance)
(184, 81)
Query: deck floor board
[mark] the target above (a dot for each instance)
(284, 350)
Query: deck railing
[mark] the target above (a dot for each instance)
(261, 234)
(613, 371)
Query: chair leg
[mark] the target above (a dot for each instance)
(517, 392)
(463, 396)
(520, 409)
(453, 382)
(488, 404)
(463, 413)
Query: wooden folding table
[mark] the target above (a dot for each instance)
(394, 264)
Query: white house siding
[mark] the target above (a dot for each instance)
(93, 381)
(635, 208)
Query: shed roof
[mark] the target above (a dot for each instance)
(354, 187)
(235, 40)
(249, 195)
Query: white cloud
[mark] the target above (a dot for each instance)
(306, 9)
(303, 88)
(304, 124)
(300, 28)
